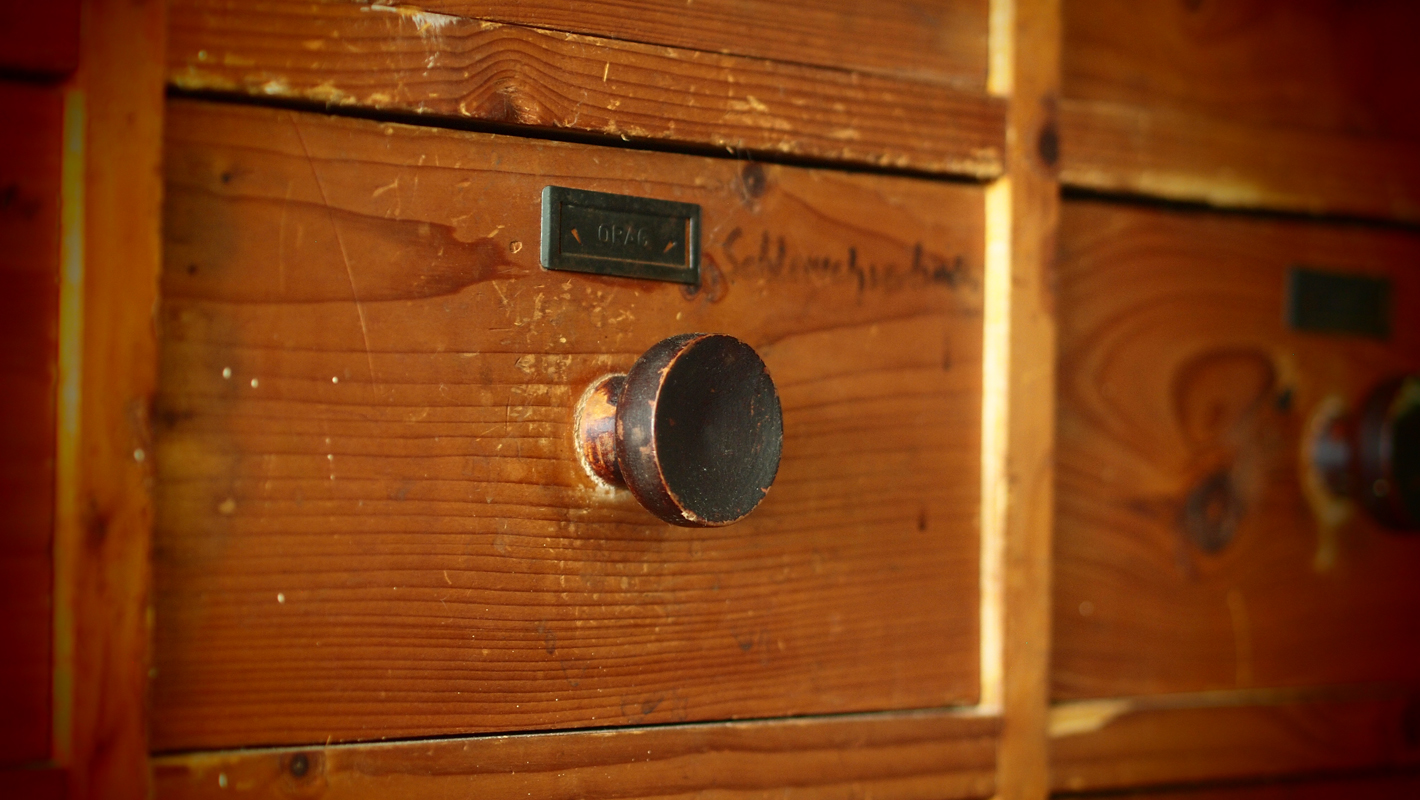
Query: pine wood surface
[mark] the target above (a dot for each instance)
(29, 264)
(110, 263)
(1299, 106)
(376, 526)
(1178, 372)
(943, 41)
(929, 756)
(1162, 745)
(407, 60)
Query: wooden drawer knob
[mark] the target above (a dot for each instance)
(693, 430)
(1374, 455)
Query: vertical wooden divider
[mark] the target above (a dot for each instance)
(1018, 417)
(110, 257)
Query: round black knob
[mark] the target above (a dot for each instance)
(1374, 455)
(694, 430)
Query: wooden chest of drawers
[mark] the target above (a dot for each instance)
(1048, 517)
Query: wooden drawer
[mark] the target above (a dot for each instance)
(1185, 401)
(372, 523)
(1299, 106)
(893, 84)
(939, 41)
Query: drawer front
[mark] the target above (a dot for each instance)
(371, 519)
(1274, 64)
(1189, 555)
(897, 83)
(1271, 104)
(939, 41)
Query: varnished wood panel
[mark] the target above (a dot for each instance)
(1147, 742)
(1182, 387)
(372, 522)
(31, 141)
(928, 756)
(401, 59)
(1305, 106)
(939, 40)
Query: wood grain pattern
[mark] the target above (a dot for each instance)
(402, 59)
(1154, 744)
(1178, 373)
(1302, 106)
(1017, 498)
(29, 308)
(941, 40)
(110, 262)
(372, 520)
(924, 756)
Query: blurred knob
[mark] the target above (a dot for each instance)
(1373, 456)
(693, 430)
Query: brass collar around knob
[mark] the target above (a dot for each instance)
(694, 430)
(1373, 455)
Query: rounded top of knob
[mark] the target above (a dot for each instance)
(699, 430)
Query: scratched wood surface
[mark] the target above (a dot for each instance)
(939, 40)
(1164, 746)
(1184, 398)
(932, 755)
(372, 523)
(29, 265)
(406, 60)
(1310, 106)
